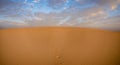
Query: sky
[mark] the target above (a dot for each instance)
(77, 13)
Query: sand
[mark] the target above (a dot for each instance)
(59, 46)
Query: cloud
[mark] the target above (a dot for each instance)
(33, 13)
(5, 3)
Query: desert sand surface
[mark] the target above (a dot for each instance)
(59, 46)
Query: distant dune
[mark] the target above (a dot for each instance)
(59, 46)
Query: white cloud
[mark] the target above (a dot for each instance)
(23, 15)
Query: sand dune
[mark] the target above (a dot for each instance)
(59, 46)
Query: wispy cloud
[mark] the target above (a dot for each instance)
(21, 13)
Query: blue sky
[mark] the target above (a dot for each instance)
(21, 13)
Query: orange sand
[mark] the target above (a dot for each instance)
(59, 46)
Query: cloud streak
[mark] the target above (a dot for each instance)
(28, 13)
